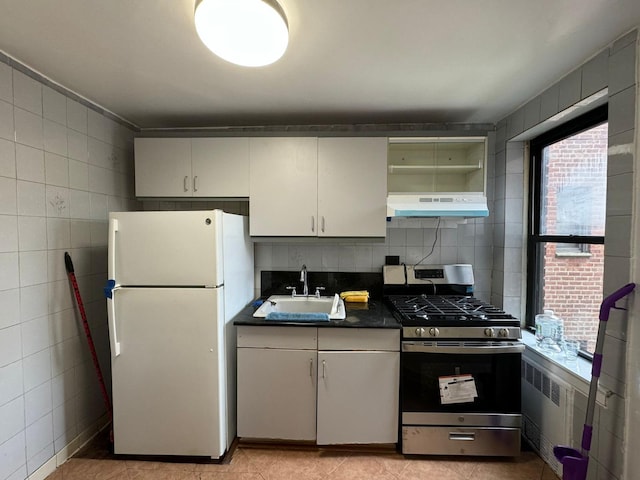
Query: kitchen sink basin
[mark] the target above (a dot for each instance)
(333, 306)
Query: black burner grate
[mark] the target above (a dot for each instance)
(431, 309)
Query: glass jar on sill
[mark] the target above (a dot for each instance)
(549, 332)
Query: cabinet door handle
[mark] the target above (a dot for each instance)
(311, 367)
(323, 224)
(184, 184)
(324, 369)
(195, 184)
(313, 223)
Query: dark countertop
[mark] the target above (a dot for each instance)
(373, 314)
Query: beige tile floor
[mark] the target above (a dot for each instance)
(299, 463)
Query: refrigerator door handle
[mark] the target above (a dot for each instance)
(113, 336)
(113, 228)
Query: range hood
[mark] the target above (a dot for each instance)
(437, 205)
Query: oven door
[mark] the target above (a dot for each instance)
(492, 367)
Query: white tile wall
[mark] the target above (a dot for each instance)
(7, 158)
(13, 453)
(28, 128)
(11, 381)
(570, 89)
(44, 184)
(9, 277)
(29, 163)
(617, 68)
(54, 105)
(595, 74)
(11, 419)
(8, 233)
(38, 403)
(10, 307)
(6, 121)
(31, 199)
(6, 82)
(27, 93)
(33, 302)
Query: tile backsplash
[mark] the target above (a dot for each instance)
(412, 240)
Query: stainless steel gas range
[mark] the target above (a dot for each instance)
(460, 364)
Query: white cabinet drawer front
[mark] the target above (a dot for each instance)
(359, 339)
(298, 338)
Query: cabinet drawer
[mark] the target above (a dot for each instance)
(297, 338)
(461, 441)
(359, 339)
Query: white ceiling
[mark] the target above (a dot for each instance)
(348, 61)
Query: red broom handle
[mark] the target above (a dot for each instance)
(72, 276)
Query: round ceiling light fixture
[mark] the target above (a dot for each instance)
(251, 33)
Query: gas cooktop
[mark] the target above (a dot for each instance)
(436, 301)
(447, 310)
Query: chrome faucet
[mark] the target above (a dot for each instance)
(303, 278)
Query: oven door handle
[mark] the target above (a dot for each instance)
(421, 347)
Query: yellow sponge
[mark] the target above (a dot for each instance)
(356, 296)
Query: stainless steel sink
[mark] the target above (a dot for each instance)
(334, 306)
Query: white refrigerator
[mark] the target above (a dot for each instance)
(176, 281)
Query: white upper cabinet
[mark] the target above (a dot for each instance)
(326, 187)
(352, 187)
(437, 164)
(283, 184)
(163, 167)
(192, 167)
(220, 167)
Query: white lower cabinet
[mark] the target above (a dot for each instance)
(353, 380)
(277, 393)
(277, 382)
(357, 397)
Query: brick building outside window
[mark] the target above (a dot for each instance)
(567, 242)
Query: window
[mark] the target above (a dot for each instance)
(567, 222)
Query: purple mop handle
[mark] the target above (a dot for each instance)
(610, 302)
(605, 308)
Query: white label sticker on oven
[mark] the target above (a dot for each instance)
(457, 389)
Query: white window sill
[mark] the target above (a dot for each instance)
(577, 374)
(580, 369)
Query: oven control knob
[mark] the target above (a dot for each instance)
(434, 332)
(489, 332)
(504, 333)
(420, 331)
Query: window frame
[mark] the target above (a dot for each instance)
(572, 127)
